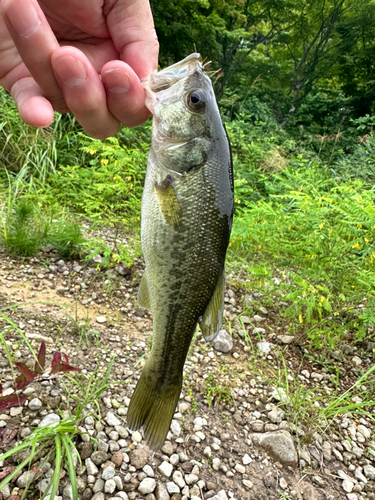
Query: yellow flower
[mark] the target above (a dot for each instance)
(104, 161)
(321, 225)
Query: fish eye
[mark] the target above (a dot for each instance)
(196, 100)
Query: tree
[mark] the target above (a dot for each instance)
(224, 31)
(356, 57)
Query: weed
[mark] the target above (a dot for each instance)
(81, 328)
(56, 442)
(193, 401)
(216, 391)
(313, 407)
(85, 391)
(24, 230)
(53, 442)
(66, 237)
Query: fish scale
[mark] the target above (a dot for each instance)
(187, 208)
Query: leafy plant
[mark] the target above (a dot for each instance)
(108, 188)
(60, 363)
(322, 235)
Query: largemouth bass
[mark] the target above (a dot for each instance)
(187, 209)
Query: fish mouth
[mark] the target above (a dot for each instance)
(166, 78)
(169, 76)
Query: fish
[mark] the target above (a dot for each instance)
(186, 220)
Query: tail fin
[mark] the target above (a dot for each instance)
(152, 406)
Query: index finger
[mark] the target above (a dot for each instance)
(35, 42)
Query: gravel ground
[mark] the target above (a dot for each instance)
(230, 437)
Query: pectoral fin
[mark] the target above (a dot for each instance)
(168, 202)
(212, 318)
(143, 293)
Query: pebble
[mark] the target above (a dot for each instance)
(98, 496)
(25, 478)
(178, 479)
(276, 415)
(216, 463)
(285, 339)
(51, 419)
(278, 444)
(369, 471)
(35, 404)
(101, 319)
(108, 473)
(136, 437)
(175, 428)
(347, 486)
(240, 468)
(112, 420)
(172, 488)
(174, 459)
(247, 483)
(91, 468)
(117, 458)
(191, 479)
(364, 431)
(138, 458)
(166, 468)
(99, 457)
(356, 360)
(161, 492)
(98, 486)
(167, 448)
(110, 486)
(283, 483)
(223, 342)
(147, 486)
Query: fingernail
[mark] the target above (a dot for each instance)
(116, 80)
(70, 71)
(24, 23)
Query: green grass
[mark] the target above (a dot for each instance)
(26, 228)
(55, 443)
(311, 406)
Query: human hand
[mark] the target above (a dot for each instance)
(83, 56)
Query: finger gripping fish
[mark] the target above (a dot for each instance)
(187, 209)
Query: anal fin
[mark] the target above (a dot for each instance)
(212, 319)
(144, 300)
